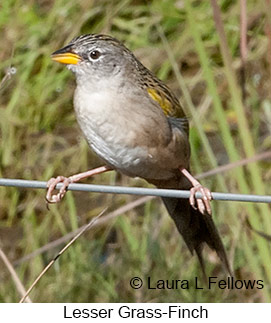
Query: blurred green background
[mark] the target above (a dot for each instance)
(230, 116)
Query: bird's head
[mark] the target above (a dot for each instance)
(95, 56)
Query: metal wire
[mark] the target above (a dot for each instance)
(136, 191)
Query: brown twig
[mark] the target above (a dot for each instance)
(260, 233)
(70, 235)
(242, 162)
(16, 279)
(84, 229)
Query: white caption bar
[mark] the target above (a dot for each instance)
(134, 312)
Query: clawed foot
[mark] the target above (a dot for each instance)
(51, 185)
(202, 204)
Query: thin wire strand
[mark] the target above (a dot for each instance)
(136, 191)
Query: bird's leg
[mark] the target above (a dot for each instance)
(204, 202)
(51, 184)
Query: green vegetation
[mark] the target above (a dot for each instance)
(39, 138)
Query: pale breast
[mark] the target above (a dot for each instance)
(104, 131)
(113, 137)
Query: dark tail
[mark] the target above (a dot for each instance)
(196, 229)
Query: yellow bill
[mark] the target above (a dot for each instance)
(66, 58)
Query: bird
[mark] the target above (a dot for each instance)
(137, 126)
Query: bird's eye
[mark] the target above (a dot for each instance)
(95, 54)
